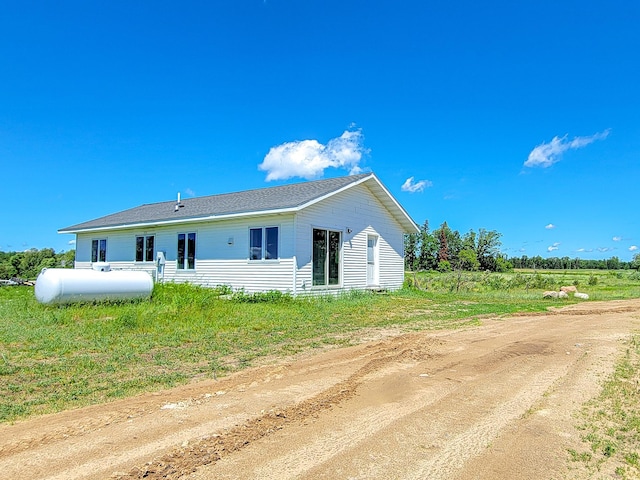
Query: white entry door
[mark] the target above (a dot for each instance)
(372, 260)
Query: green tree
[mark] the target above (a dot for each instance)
(66, 259)
(7, 271)
(443, 246)
(467, 260)
(450, 243)
(410, 251)
(503, 265)
(16, 261)
(28, 264)
(613, 263)
(428, 248)
(33, 261)
(487, 249)
(635, 262)
(444, 266)
(454, 242)
(469, 240)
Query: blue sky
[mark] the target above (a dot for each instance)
(520, 117)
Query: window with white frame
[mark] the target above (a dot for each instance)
(263, 243)
(145, 248)
(99, 250)
(186, 258)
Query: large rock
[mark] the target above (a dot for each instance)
(553, 294)
(569, 289)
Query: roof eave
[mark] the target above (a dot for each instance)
(207, 218)
(403, 217)
(394, 208)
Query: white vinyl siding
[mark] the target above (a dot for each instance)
(221, 254)
(222, 251)
(358, 210)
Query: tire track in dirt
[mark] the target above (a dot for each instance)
(478, 396)
(479, 433)
(185, 460)
(138, 428)
(436, 412)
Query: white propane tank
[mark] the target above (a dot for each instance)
(68, 285)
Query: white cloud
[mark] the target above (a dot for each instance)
(633, 248)
(412, 186)
(605, 249)
(71, 242)
(550, 226)
(546, 154)
(190, 192)
(616, 239)
(553, 247)
(309, 158)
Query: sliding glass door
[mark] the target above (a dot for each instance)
(326, 257)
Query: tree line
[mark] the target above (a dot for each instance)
(445, 250)
(566, 263)
(28, 264)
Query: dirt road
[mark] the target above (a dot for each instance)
(490, 402)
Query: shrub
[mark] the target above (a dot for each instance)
(223, 290)
(271, 296)
(444, 266)
(519, 280)
(494, 282)
(503, 265)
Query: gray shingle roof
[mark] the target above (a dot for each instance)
(250, 201)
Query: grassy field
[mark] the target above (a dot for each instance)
(57, 357)
(610, 423)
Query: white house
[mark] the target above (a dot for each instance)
(336, 234)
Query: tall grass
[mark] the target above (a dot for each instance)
(604, 285)
(56, 357)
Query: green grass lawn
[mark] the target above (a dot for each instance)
(57, 357)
